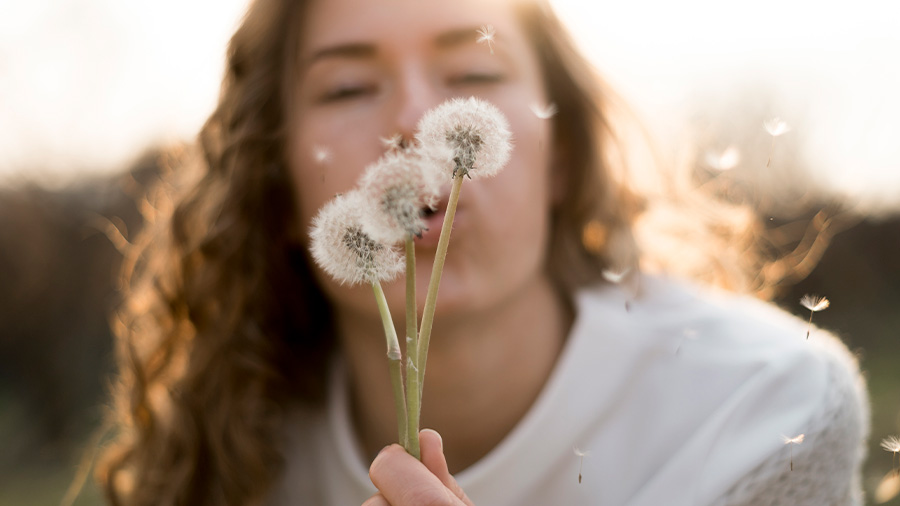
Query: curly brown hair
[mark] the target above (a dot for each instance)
(224, 325)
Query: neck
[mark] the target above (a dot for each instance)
(484, 371)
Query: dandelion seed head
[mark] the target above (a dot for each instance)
(891, 444)
(341, 247)
(580, 453)
(726, 160)
(776, 126)
(398, 188)
(487, 34)
(814, 303)
(544, 112)
(793, 440)
(467, 137)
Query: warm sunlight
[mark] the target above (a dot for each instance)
(87, 87)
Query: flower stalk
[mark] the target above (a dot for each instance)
(394, 363)
(437, 269)
(413, 383)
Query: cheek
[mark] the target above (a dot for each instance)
(324, 161)
(521, 193)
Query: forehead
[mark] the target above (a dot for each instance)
(405, 24)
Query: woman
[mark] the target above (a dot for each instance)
(250, 377)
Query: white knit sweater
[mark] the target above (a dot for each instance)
(682, 400)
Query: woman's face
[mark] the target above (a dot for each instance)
(369, 69)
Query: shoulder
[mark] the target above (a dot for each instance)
(707, 327)
(732, 376)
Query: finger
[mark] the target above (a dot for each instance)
(431, 446)
(376, 500)
(404, 481)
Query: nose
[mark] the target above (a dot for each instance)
(416, 93)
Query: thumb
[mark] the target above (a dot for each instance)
(432, 451)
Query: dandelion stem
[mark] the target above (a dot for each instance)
(431, 297)
(809, 324)
(394, 357)
(413, 395)
(771, 149)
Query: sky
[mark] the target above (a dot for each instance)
(87, 85)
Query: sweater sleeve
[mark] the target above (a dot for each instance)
(827, 464)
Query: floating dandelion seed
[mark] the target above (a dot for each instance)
(793, 441)
(615, 276)
(814, 304)
(398, 189)
(581, 454)
(892, 444)
(687, 334)
(321, 154)
(393, 143)
(775, 126)
(470, 137)
(726, 160)
(341, 247)
(543, 112)
(487, 34)
(626, 279)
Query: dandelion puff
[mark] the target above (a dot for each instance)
(892, 444)
(581, 454)
(814, 304)
(793, 441)
(726, 160)
(398, 188)
(487, 34)
(344, 250)
(469, 137)
(544, 112)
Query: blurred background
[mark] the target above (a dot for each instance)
(97, 96)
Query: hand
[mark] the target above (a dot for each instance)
(404, 481)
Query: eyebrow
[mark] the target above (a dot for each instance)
(351, 50)
(445, 40)
(457, 37)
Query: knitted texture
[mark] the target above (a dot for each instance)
(823, 465)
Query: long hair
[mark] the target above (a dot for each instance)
(224, 325)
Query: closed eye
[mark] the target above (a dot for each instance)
(343, 93)
(477, 78)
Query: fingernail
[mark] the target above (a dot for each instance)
(440, 439)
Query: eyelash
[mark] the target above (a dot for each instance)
(477, 78)
(349, 92)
